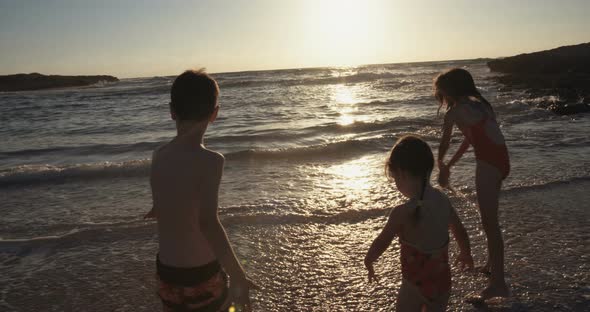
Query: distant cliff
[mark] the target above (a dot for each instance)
(35, 81)
(563, 72)
(567, 59)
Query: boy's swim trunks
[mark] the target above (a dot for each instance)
(199, 289)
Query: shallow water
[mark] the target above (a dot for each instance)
(317, 266)
(303, 192)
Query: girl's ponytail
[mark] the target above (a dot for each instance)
(420, 201)
(412, 155)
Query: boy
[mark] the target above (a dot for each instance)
(194, 249)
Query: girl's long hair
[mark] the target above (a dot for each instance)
(412, 155)
(456, 82)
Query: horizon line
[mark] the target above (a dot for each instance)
(265, 70)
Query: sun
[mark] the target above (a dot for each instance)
(341, 29)
(342, 21)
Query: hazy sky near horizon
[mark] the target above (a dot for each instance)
(146, 38)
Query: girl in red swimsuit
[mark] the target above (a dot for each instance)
(475, 117)
(422, 225)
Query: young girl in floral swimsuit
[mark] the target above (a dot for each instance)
(422, 225)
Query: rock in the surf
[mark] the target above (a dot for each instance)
(563, 72)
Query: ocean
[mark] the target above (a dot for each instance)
(302, 196)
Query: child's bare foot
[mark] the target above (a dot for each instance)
(489, 292)
(474, 299)
(495, 291)
(485, 269)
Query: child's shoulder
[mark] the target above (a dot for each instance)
(210, 154)
(437, 196)
(213, 156)
(208, 161)
(454, 111)
(403, 210)
(440, 194)
(470, 106)
(158, 151)
(171, 151)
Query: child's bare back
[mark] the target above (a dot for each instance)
(183, 179)
(431, 231)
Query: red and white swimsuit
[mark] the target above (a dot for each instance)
(486, 149)
(429, 271)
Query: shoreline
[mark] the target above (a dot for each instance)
(317, 265)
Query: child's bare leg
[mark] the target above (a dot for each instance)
(409, 299)
(440, 304)
(488, 183)
(485, 269)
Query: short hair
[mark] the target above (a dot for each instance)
(194, 95)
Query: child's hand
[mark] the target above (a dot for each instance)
(372, 276)
(465, 260)
(150, 214)
(240, 294)
(443, 175)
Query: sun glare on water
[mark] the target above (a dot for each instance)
(355, 178)
(344, 102)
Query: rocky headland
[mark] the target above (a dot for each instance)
(561, 75)
(36, 81)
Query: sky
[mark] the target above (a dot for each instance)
(156, 38)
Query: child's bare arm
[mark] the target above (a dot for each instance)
(445, 140)
(462, 239)
(215, 233)
(462, 149)
(445, 170)
(384, 239)
(151, 214)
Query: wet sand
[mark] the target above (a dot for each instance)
(546, 231)
(313, 266)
